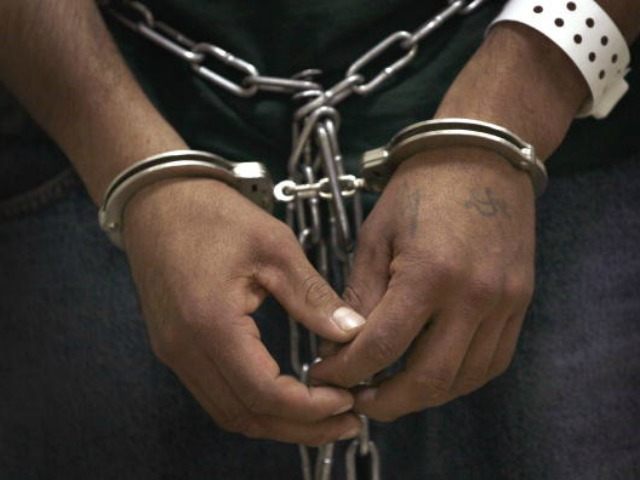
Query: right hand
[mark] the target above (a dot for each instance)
(203, 259)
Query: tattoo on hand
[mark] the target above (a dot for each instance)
(487, 203)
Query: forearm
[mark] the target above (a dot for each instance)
(60, 61)
(521, 80)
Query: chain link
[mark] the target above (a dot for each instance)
(137, 16)
(288, 190)
(400, 37)
(317, 186)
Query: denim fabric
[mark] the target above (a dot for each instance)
(81, 395)
(28, 158)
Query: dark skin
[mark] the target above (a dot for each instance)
(449, 280)
(449, 283)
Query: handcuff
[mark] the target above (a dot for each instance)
(252, 179)
(377, 165)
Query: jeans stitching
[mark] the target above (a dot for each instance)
(40, 196)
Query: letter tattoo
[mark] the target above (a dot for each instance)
(487, 204)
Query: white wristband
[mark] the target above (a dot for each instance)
(588, 36)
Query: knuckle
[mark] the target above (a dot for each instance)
(352, 297)
(433, 389)
(318, 438)
(471, 381)
(317, 291)
(445, 271)
(381, 351)
(385, 416)
(270, 277)
(518, 288)
(164, 344)
(257, 402)
(242, 423)
(277, 242)
(253, 429)
(483, 289)
(423, 270)
(343, 376)
(499, 369)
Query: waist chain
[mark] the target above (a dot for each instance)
(323, 203)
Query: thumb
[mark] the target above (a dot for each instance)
(308, 298)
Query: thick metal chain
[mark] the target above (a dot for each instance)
(323, 203)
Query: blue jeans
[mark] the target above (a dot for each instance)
(82, 397)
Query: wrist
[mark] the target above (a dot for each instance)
(520, 80)
(451, 169)
(160, 208)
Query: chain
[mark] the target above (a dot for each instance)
(323, 203)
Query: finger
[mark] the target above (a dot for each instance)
(430, 371)
(369, 277)
(506, 345)
(255, 378)
(328, 430)
(213, 392)
(389, 331)
(325, 431)
(307, 297)
(327, 349)
(474, 372)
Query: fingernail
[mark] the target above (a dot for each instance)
(347, 319)
(350, 433)
(344, 408)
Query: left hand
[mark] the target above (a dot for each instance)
(444, 270)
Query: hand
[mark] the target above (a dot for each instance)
(203, 259)
(444, 271)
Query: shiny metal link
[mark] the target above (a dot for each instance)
(280, 85)
(142, 10)
(324, 462)
(156, 37)
(302, 140)
(288, 190)
(395, 38)
(338, 212)
(364, 439)
(137, 16)
(238, 64)
(323, 203)
(305, 460)
(330, 97)
(472, 6)
(455, 7)
(173, 34)
(372, 457)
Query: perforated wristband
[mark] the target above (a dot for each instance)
(586, 33)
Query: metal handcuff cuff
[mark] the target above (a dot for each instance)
(378, 164)
(252, 179)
